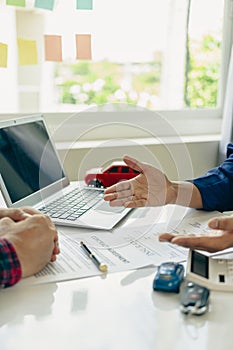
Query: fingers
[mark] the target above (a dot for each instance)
(119, 187)
(208, 243)
(5, 226)
(218, 240)
(118, 195)
(118, 202)
(122, 193)
(123, 196)
(123, 186)
(166, 237)
(30, 210)
(134, 203)
(127, 202)
(56, 249)
(16, 214)
(222, 223)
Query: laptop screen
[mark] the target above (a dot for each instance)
(28, 161)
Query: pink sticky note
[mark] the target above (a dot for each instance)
(53, 48)
(83, 47)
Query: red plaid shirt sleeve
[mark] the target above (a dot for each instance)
(10, 268)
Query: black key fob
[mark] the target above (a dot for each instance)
(194, 299)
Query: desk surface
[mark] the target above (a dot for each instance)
(118, 311)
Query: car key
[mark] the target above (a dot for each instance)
(194, 299)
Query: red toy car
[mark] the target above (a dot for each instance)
(105, 177)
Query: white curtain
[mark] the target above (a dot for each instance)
(227, 123)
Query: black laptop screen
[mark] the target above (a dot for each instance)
(28, 161)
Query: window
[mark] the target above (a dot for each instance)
(157, 55)
(114, 169)
(124, 169)
(152, 54)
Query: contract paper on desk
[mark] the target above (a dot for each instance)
(121, 249)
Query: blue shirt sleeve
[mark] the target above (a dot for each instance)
(216, 186)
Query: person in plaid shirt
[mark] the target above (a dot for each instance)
(28, 241)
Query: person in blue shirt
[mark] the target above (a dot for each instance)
(212, 191)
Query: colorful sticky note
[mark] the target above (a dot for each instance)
(53, 48)
(84, 4)
(83, 47)
(44, 4)
(3, 55)
(21, 3)
(27, 52)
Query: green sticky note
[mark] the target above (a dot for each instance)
(44, 4)
(27, 52)
(3, 55)
(84, 4)
(21, 3)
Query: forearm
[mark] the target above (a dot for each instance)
(185, 194)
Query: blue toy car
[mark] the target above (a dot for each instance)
(169, 277)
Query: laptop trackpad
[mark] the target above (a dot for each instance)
(104, 206)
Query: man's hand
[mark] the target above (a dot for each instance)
(217, 240)
(150, 188)
(34, 238)
(17, 214)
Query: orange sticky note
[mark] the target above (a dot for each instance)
(27, 52)
(53, 48)
(3, 55)
(83, 47)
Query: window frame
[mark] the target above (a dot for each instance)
(184, 122)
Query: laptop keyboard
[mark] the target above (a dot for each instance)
(72, 205)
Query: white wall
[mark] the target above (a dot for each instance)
(29, 77)
(178, 161)
(9, 76)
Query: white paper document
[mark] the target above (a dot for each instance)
(120, 249)
(120, 253)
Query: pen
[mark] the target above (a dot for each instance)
(102, 267)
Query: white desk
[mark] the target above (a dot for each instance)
(118, 312)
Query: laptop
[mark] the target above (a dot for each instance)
(32, 174)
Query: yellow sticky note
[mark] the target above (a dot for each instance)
(3, 55)
(27, 52)
(53, 48)
(83, 47)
